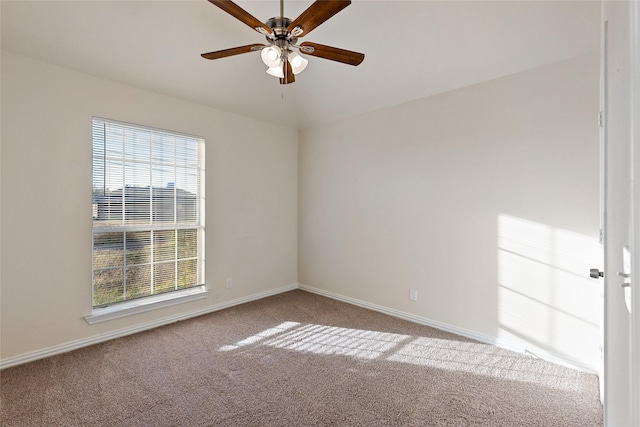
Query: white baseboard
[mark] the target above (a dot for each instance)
(519, 347)
(84, 342)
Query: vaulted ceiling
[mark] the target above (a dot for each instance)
(413, 49)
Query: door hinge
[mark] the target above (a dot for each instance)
(601, 118)
(601, 237)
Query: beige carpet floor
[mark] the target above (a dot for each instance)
(296, 359)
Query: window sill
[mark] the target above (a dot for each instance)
(141, 305)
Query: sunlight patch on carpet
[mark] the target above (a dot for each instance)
(450, 355)
(261, 336)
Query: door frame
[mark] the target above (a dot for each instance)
(603, 194)
(634, 72)
(620, 36)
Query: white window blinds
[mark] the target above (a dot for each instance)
(148, 212)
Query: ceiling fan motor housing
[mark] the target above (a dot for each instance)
(281, 36)
(280, 26)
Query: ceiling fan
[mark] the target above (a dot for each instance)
(282, 34)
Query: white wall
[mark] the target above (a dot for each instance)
(484, 199)
(251, 205)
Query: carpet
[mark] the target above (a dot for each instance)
(296, 359)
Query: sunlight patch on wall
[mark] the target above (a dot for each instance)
(545, 295)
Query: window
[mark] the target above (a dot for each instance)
(148, 212)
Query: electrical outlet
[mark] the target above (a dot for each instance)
(413, 294)
(229, 283)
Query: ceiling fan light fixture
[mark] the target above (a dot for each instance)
(276, 71)
(298, 63)
(271, 56)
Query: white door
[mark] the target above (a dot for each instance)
(621, 248)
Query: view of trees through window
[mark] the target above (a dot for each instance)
(147, 220)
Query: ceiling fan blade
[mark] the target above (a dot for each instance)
(233, 51)
(289, 77)
(242, 15)
(316, 14)
(332, 53)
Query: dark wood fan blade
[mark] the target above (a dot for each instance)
(289, 77)
(332, 53)
(232, 51)
(316, 14)
(242, 15)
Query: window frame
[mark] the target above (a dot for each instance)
(125, 307)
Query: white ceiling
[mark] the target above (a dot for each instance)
(413, 49)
